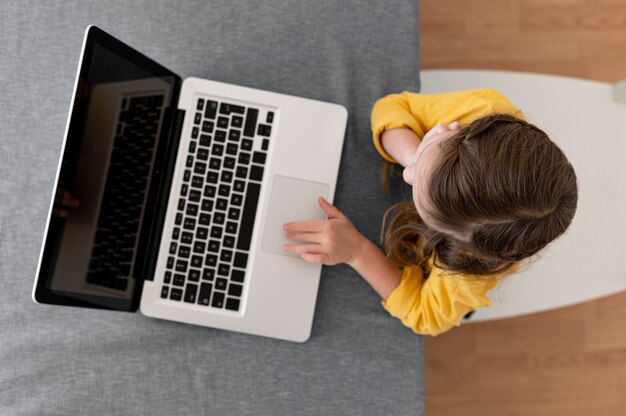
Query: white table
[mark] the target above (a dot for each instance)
(587, 119)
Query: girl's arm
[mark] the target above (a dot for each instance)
(335, 241)
(400, 143)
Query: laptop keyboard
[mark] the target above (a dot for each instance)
(124, 192)
(218, 198)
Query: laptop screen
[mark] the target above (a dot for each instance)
(108, 178)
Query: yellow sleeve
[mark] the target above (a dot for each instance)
(434, 305)
(421, 112)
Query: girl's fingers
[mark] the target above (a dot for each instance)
(304, 226)
(302, 248)
(330, 209)
(314, 258)
(309, 237)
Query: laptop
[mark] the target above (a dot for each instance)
(170, 196)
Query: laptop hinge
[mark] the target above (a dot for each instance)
(163, 176)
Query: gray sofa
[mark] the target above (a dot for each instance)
(72, 361)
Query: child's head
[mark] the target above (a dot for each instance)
(484, 196)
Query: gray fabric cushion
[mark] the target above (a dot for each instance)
(56, 360)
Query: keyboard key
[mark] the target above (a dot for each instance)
(229, 162)
(251, 119)
(164, 292)
(256, 173)
(220, 136)
(215, 163)
(247, 219)
(265, 145)
(223, 270)
(236, 199)
(241, 260)
(199, 247)
(270, 117)
(235, 290)
(232, 148)
(184, 251)
(242, 172)
(231, 108)
(208, 274)
(181, 266)
(212, 176)
(221, 284)
(194, 196)
(234, 135)
(210, 260)
(216, 232)
(237, 276)
(186, 237)
(244, 158)
(192, 209)
(190, 293)
(227, 176)
(236, 121)
(167, 278)
(222, 122)
(224, 190)
(200, 105)
(197, 181)
(217, 150)
(214, 246)
(179, 279)
(207, 205)
(197, 118)
(264, 130)
(207, 126)
(189, 223)
(258, 157)
(232, 304)
(231, 228)
(205, 294)
(205, 140)
(204, 219)
(202, 233)
(196, 261)
(239, 186)
(199, 168)
(226, 256)
(218, 300)
(246, 144)
(194, 274)
(176, 294)
(209, 191)
(219, 218)
(233, 214)
(211, 109)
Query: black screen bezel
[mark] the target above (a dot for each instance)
(157, 194)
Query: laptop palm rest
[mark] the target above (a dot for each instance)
(291, 200)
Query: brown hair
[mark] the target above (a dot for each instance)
(500, 191)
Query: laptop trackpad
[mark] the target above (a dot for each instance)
(291, 200)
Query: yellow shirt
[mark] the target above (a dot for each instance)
(434, 305)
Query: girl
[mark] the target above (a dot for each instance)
(488, 190)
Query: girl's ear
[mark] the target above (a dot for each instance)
(408, 174)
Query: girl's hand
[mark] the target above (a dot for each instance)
(330, 241)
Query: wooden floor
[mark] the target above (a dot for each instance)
(571, 361)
